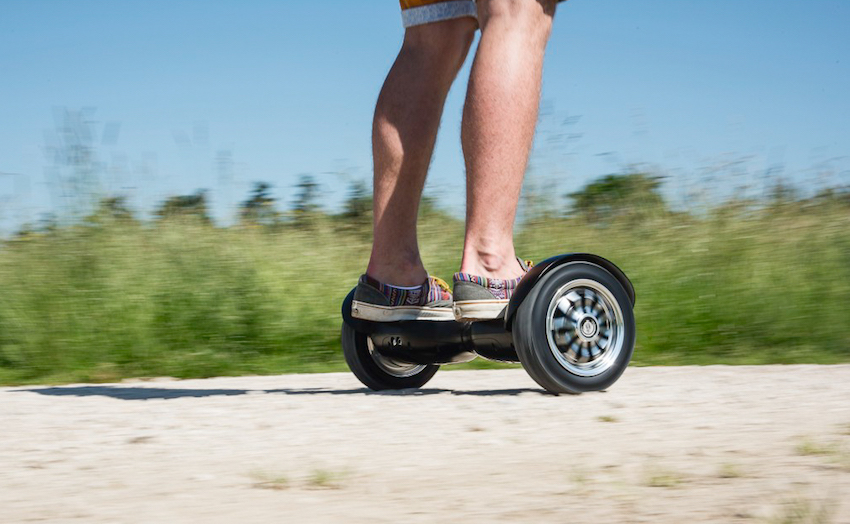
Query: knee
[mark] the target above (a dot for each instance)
(532, 17)
(442, 45)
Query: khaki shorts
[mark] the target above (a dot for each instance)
(418, 12)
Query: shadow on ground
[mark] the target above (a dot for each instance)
(144, 393)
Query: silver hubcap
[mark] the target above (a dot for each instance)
(584, 326)
(392, 366)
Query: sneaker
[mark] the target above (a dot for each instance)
(482, 298)
(380, 302)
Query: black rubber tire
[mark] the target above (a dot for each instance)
(361, 363)
(530, 337)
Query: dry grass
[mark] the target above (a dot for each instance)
(803, 511)
(729, 471)
(659, 477)
(809, 447)
(326, 479)
(266, 480)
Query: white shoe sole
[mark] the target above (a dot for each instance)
(375, 313)
(466, 310)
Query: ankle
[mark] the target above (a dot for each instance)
(397, 273)
(490, 264)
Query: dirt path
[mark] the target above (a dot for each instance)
(686, 444)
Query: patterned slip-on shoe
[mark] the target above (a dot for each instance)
(380, 302)
(482, 298)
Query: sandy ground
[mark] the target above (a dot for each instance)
(686, 444)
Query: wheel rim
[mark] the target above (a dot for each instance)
(391, 366)
(584, 326)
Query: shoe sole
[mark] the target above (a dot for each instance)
(375, 313)
(469, 310)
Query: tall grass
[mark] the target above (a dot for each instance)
(739, 286)
(116, 298)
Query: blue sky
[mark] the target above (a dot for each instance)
(708, 93)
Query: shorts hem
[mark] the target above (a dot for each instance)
(438, 12)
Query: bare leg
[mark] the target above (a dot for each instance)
(498, 127)
(407, 117)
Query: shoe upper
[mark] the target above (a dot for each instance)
(434, 292)
(474, 287)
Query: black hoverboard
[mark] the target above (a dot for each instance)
(569, 322)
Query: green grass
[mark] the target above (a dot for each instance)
(115, 299)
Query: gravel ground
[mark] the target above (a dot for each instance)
(667, 444)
